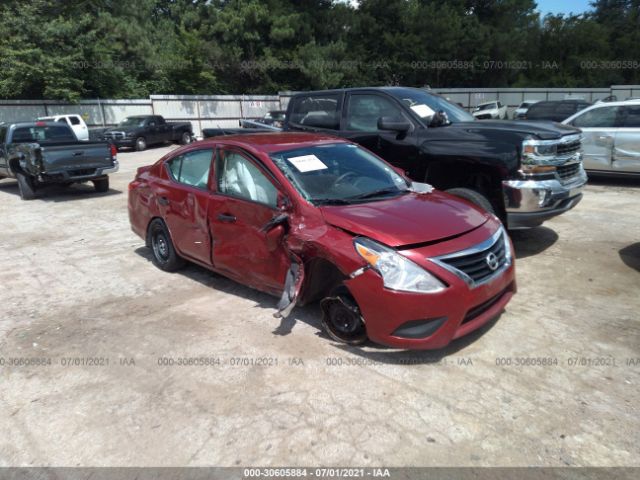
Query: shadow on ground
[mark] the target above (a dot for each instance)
(59, 193)
(630, 255)
(532, 241)
(627, 182)
(311, 315)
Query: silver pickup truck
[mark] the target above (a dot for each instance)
(40, 153)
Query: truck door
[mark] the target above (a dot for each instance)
(79, 127)
(153, 135)
(363, 111)
(183, 202)
(626, 152)
(599, 127)
(3, 152)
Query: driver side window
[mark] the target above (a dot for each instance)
(239, 177)
(364, 111)
(605, 117)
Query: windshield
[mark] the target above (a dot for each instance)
(526, 104)
(339, 174)
(486, 106)
(417, 100)
(132, 122)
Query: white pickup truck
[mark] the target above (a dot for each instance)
(75, 122)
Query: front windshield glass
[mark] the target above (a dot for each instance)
(132, 122)
(339, 174)
(486, 106)
(418, 99)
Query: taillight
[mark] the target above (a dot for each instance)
(114, 151)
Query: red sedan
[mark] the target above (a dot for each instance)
(310, 217)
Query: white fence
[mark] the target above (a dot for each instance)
(225, 110)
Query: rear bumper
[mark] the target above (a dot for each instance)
(531, 202)
(78, 175)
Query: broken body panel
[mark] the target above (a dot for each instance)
(301, 252)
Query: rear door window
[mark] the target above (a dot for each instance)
(319, 111)
(605, 117)
(74, 120)
(192, 168)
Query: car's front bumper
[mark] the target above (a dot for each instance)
(431, 321)
(122, 142)
(529, 203)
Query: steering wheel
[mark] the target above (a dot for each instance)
(344, 176)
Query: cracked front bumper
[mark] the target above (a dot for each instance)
(531, 202)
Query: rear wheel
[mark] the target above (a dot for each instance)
(164, 254)
(185, 139)
(474, 197)
(27, 186)
(101, 185)
(341, 318)
(141, 144)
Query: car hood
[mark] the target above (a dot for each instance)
(409, 219)
(542, 130)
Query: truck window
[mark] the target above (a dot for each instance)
(43, 134)
(632, 117)
(364, 111)
(604, 117)
(159, 120)
(319, 111)
(74, 120)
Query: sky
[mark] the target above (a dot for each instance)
(563, 6)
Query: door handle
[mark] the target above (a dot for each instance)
(163, 201)
(224, 217)
(77, 154)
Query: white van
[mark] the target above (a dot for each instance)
(76, 122)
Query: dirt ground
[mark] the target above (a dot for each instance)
(553, 382)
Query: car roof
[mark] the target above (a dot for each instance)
(487, 103)
(356, 89)
(618, 103)
(272, 142)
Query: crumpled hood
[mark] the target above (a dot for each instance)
(410, 219)
(542, 130)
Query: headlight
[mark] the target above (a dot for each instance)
(538, 151)
(397, 271)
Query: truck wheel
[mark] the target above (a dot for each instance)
(164, 254)
(101, 185)
(26, 186)
(185, 139)
(141, 144)
(474, 197)
(341, 318)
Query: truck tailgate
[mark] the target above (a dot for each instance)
(76, 156)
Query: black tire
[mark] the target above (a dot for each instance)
(185, 139)
(163, 253)
(101, 185)
(27, 186)
(474, 197)
(141, 144)
(342, 320)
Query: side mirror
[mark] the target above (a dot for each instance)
(395, 124)
(439, 119)
(283, 203)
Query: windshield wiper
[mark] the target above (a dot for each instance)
(330, 201)
(377, 193)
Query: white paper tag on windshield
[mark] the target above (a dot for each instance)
(307, 163)
(423, 111)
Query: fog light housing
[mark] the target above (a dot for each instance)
(418, 329)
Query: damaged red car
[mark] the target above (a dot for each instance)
(309, 218)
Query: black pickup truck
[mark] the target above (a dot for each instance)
(40, 153)
(524, 172)
(141, 131)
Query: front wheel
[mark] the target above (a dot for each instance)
(101, 185)
(474, 197)
(141, 144)
(26, 186)
(164, 255)
(185, 139)
(342, 320)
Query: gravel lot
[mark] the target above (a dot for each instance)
(553, 382)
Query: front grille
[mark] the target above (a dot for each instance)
(565, 149)
(567, 172)
(481, 263)
(114, 135)
(478, 310)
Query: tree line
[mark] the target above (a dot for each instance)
(73, 49)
